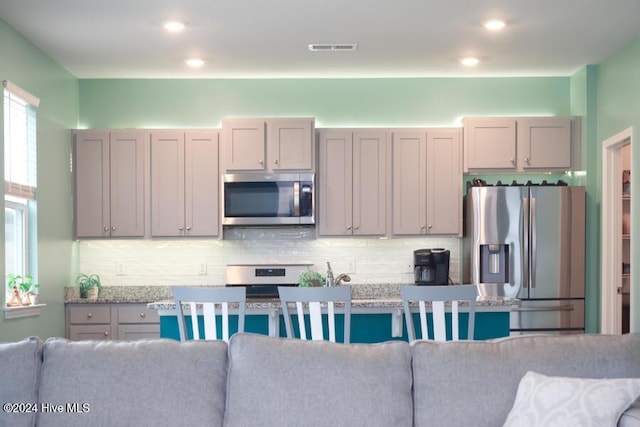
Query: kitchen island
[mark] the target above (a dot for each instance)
(376, 316)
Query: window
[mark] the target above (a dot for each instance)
(19, 182)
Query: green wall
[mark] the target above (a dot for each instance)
(584, 104)
(333, 102)
(619, 109)
(25, 65)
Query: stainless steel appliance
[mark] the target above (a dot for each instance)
(262, 280)
(431, 266)
(528, 242)
(268, 199)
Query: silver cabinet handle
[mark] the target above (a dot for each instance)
(113, 228)
(188, 228)
(429, 226)
(106, 333)
(89, 315)
(142, 315)
(261, 161)
(527, 160)
(106, 228)
(513, 161)
(275, 162)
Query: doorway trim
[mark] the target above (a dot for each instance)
(611, 229)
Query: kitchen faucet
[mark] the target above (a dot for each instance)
(330, 281)
(340, 278)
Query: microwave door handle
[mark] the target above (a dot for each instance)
(296, 199)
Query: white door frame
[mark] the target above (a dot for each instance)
(611, 228)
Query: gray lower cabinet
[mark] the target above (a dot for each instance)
(111, 321)
(136, 321)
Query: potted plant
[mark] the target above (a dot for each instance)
(34, 291)
(89, 286)
(21, 287)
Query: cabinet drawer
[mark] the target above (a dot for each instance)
(137, 314)
(90, 332)
(91, 314)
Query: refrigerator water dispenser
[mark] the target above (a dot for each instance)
(494, 263)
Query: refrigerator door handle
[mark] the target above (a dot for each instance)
(567, 307)
(533, 247)
(524, 243)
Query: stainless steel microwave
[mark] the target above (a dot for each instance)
(268, 199)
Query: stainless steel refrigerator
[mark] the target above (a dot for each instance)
(528, 242)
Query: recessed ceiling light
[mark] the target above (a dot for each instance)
(469, 61)
(174, 26)
(194, 62)
(494, 24)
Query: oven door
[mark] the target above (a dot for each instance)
(268, 199)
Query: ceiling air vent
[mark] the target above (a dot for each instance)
(333, 47)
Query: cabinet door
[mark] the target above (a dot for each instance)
(244, 144)
(290, 144)
(370, 183)
(444, 182)
(138, 332)
(335, 183)
(167, 184)
(201, 184)
(490, 143)
(91, 173)
(544, 142)
(127, 183)
(409, 182)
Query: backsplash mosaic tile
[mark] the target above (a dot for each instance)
(167, 262)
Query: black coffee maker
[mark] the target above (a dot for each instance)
(431, 266)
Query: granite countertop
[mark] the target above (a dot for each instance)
(161, 297)
(120, 294)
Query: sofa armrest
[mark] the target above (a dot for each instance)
(631, 417)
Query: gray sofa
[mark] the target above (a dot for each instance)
(262, 381)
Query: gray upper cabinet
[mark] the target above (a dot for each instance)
(184, 183)
(521, 144)
(427, 182)
(352, 182)
(444, 182)
(109, 183)
(268, 145)
(490, 143)
(545, 142)
(409, 176)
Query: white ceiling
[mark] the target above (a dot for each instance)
(269, 39)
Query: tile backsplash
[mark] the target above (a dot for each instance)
(195, 261)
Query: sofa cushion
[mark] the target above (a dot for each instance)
(543, 401)
(284, 382)
(133, 383)
(475, 382)
(20, 364)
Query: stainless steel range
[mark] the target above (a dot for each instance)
(262, 280)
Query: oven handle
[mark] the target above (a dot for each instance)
(296, 199)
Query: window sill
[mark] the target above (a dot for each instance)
(23, 311)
